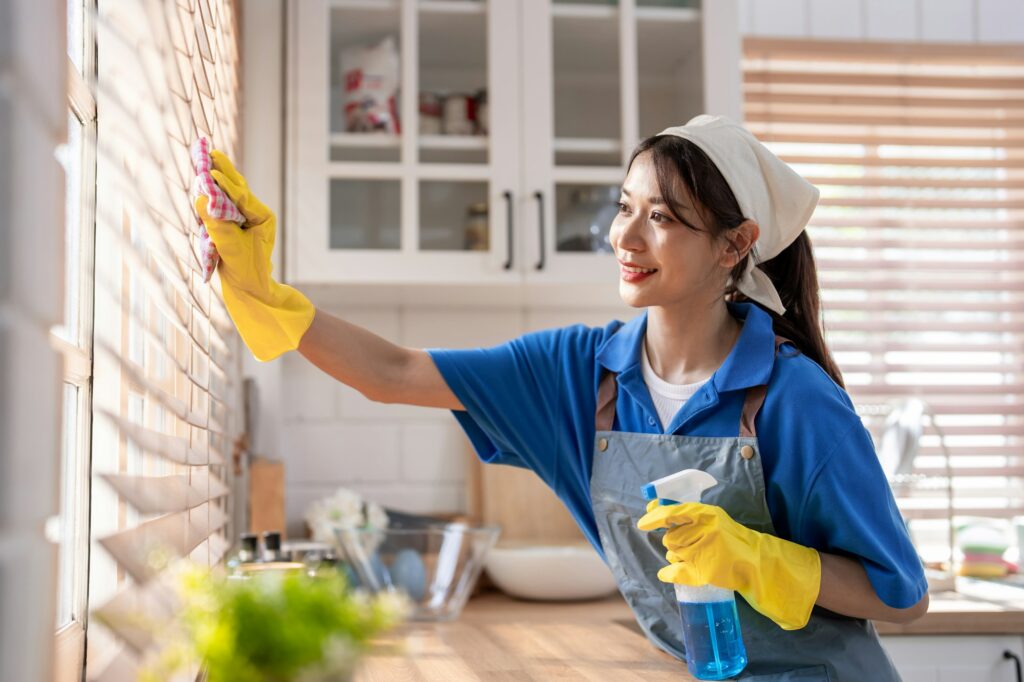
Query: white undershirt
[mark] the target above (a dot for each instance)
(668, 398)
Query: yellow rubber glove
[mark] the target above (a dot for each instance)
(271, 317)
(778, 578)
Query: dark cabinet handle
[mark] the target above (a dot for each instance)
(508, 229)
(539, 196)
(1016, 663)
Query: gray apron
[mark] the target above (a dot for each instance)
(830, 648)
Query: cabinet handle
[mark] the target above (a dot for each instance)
(1016, 662)
(539, 196)
(508, 229)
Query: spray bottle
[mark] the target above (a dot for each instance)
(711, 626)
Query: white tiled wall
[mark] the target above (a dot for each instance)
(967, 21)
(411, 458)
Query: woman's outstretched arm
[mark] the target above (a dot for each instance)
(382, 371)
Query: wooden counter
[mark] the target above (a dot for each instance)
(978, 607)
(498, 638)
(501, 638)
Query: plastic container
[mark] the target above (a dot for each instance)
(711, 625)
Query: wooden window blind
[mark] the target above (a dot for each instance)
(919, 239)
(166, 363)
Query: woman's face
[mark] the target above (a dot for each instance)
(662, 261)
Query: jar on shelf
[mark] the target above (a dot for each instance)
(482, 112)
(430, 113)
(459, 114)
(476, 230)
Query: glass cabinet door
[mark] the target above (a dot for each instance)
(670, 64)
(407, 134)
(620, 71)
(364, 81)
(585, 64)
(452, 103)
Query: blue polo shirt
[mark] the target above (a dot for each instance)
(531, 403)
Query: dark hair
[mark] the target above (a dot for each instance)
(792, 272)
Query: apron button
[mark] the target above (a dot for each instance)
(602, 444)
(746, 452)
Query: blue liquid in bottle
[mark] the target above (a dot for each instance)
(711, 635)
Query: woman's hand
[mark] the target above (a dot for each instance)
(778, 578)
(271, 317)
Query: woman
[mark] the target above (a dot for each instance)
(727, 371)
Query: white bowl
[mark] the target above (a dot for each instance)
(550, 572)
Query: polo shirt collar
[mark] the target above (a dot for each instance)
(622, 349)
(748, 364)
(751, 360)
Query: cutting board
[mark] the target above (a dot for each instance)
(518, 501)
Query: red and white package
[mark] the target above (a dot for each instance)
(219, 205)
(370, 77)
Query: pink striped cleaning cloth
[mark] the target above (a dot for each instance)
(219, 206)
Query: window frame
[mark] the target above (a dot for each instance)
(70, 636)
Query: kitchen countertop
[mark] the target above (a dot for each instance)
(978, 607)
(499, 638)
(502, 638)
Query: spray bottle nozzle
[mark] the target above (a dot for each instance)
(682, 486)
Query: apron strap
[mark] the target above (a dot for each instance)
(607, 392)
(755, 400)
(751, 406)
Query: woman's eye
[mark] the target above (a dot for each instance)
(622, 207)
(658, 217)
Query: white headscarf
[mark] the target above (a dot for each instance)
(768, 191)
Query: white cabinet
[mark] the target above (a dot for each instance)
(570, 88)
(944, 658)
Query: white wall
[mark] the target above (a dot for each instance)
(966, 21)
(412, 458)
(409, 458)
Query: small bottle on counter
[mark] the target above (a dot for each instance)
(247, 555)
(272, 550)
(248, 548)
(271, 546)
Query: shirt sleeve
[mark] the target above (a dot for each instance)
(850, 510)
(510, 394)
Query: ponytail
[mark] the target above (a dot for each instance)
(795, 277)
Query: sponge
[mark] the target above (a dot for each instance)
(219, 206)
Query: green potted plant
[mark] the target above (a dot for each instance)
(274, 627)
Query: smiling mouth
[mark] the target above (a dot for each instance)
(637, 271)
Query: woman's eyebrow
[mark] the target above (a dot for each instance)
(652, 200)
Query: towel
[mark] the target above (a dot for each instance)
(219, 206)
(768, 191)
